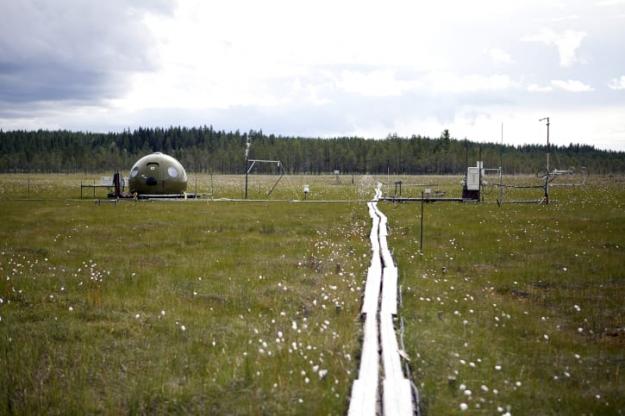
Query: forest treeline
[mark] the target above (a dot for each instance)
(204, 149)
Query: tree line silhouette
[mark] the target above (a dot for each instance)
(205, 149)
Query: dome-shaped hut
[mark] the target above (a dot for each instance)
(157, 174)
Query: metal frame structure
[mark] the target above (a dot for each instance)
(250, 163)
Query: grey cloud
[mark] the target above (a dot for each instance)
(71, 49)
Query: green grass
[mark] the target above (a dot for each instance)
(237, 275)
(535, 290)
(169, 307)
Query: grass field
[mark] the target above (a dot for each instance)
(517, 308)
(252, 308)
(173, 307)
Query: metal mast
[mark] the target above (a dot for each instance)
(547, 120)
(501, 167)
(247, 155)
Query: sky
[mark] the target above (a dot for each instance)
(319, 68)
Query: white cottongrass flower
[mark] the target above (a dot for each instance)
(71, 309)
(183, 328)
(464, 406)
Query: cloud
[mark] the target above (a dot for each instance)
(377, 83)
(499, 56)
(617, 83)
(566, 42)
(449, 82)
(610, 2)
(565, 18)
(72, 50)
(539, 88)
(572, 86)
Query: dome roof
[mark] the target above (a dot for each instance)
(158, 173)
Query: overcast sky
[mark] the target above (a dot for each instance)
(319, 67)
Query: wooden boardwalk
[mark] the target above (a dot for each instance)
(381, 387)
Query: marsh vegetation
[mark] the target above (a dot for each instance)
(252, 308)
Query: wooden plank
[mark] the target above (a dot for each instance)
(364, 396)
(390, 350)
(397, 398)
(372, 290)
(389, 291)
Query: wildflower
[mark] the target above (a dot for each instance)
(183, 328)
(463, 406)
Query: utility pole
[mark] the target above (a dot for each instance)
(547, 120)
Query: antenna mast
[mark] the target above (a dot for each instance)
(247, 154)
(547, 120)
